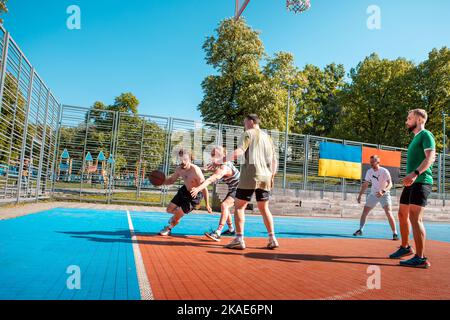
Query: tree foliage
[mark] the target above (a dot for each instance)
(139, 140)
(3, 8)
(369, 105)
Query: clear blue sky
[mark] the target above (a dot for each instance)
(154, 48)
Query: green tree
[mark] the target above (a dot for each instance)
(126, 102)
(317, 109)
(271, 104)
(12, 115)
(433, 87)
(242, 86)
(375, 102)
(235, 54)
(3, 8)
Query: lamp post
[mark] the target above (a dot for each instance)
(286, 133)
(444, 115)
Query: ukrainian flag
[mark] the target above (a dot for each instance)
(341, 161)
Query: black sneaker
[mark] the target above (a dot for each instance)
(401, 252)
(416, 262)
(229, 233)
(358, 233)
(213, 236)
(395, 237)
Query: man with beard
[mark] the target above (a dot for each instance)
(183, 202)
(418, 183)
(257, 177)
(381, 182)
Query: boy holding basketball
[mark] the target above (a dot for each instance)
(229, 174)
(183, 202)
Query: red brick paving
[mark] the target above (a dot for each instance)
(193, 268)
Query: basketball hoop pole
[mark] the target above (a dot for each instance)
(238, 12)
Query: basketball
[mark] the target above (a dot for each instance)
(157, 178)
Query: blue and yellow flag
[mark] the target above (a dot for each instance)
(340, 161)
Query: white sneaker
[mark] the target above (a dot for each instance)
(273, 243)
(236, 244)
(165, 232)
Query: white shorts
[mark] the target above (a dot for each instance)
(385, 200)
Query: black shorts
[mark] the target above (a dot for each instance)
(184, 200)
(416, 194)
(230, 194)
(246, 194)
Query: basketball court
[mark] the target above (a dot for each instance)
(117, 254)
(78, 251)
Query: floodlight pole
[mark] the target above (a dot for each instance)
(286, 132)
(444, 138)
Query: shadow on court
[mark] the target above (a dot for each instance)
(296, 257)
(316, 235)
(124, 236)
(155, 239)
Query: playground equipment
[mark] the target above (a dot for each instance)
(139, 173)
(99, 169)
(65, 166)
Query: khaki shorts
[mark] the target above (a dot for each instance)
(385, 200)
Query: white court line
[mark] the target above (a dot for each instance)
(144, 284)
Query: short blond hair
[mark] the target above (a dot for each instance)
(420, 113)
(221, 150)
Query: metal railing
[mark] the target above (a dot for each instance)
(29, 115)
(138, 144)
(69, 152)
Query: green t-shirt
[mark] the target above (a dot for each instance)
(422, 141)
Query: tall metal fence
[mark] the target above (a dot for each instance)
(69, 152)
(29, 116)
(108, 155)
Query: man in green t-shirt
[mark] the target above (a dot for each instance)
(418, 184)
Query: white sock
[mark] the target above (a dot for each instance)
(240, 237)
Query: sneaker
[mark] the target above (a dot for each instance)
(273, 243)
(416, 262)
(401, 252)
(229, 233)
(236, 244)
(395, 237)
(358, 233)
(166, 231)
(213, 236)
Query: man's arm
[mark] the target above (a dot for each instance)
(430, 158)
(363, 189)
(204, 191)
(235, 154)
(206, 196)
(244, 143)
(274, 167)
(218, 174)
(174, 177)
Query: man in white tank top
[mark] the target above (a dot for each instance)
(381, 183)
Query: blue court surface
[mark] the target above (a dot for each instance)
(38, 251)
